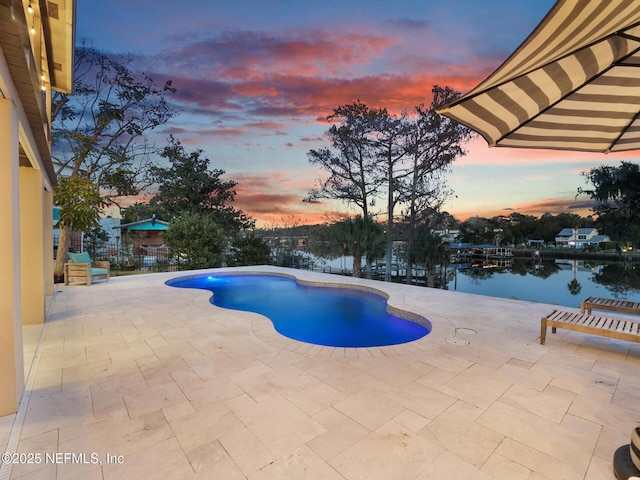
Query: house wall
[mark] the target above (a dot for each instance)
(26, 173)
(11, 356)
(580, 238)
(32, 264)
(147, 238)
(109, 225)
(47, 222)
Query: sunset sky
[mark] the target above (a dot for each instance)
(256, 79)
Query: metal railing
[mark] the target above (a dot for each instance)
(133, 258)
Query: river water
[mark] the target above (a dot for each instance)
(560, 282)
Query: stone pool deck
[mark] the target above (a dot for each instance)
(156, 382)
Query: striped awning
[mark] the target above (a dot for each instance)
(574, 84)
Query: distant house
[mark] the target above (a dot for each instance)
(110, 226)
(579, 237)
(77, 239)
(298, 242)
(450, 236)
(144, 236)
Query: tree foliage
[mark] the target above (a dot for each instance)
(617, 193)
(516, 228)
(360, 237)
(188, 185)
(195, 241)
(249, 250)
(428, 249)
(141, 211)
(79, 202)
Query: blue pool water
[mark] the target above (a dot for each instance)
(337, 317)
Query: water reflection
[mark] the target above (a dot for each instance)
(562, 282)
(619, 278)
(574, 287)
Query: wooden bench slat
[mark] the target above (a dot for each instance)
(612, 304)
(601, 322)
(586, 321)
(608, 323)
(617, 328)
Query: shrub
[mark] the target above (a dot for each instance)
(249, 250)
(196, 241)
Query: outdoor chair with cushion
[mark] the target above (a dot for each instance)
(80, 269)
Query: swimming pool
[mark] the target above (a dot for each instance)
(322, 315)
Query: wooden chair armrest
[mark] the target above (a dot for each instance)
(101, 264)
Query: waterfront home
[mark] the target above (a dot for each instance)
(580, 237)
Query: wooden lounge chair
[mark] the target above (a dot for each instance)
(617, 328)
(623, 306)
(80, 269)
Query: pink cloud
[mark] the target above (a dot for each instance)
(240, 54)
(295, 96)
(478, 153)
(536, 209)
(299, 73)
(267, 197)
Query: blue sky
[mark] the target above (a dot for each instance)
(255, 80)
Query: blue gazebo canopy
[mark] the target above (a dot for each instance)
(147, 225)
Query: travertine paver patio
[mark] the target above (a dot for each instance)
(165, 385)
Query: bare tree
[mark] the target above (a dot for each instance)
(391, 151)
(351, 161)
(374, 152)
(100, 131)
(434, 143)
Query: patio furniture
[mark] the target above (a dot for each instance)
(634, 447)
(616, 328)
(626, 459)
(611, 304)
(623, 467)
(571, 72)
(82, 270)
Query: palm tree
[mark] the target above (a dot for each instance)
(359, 236)
(429, 250)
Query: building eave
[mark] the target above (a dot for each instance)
(58, 25)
